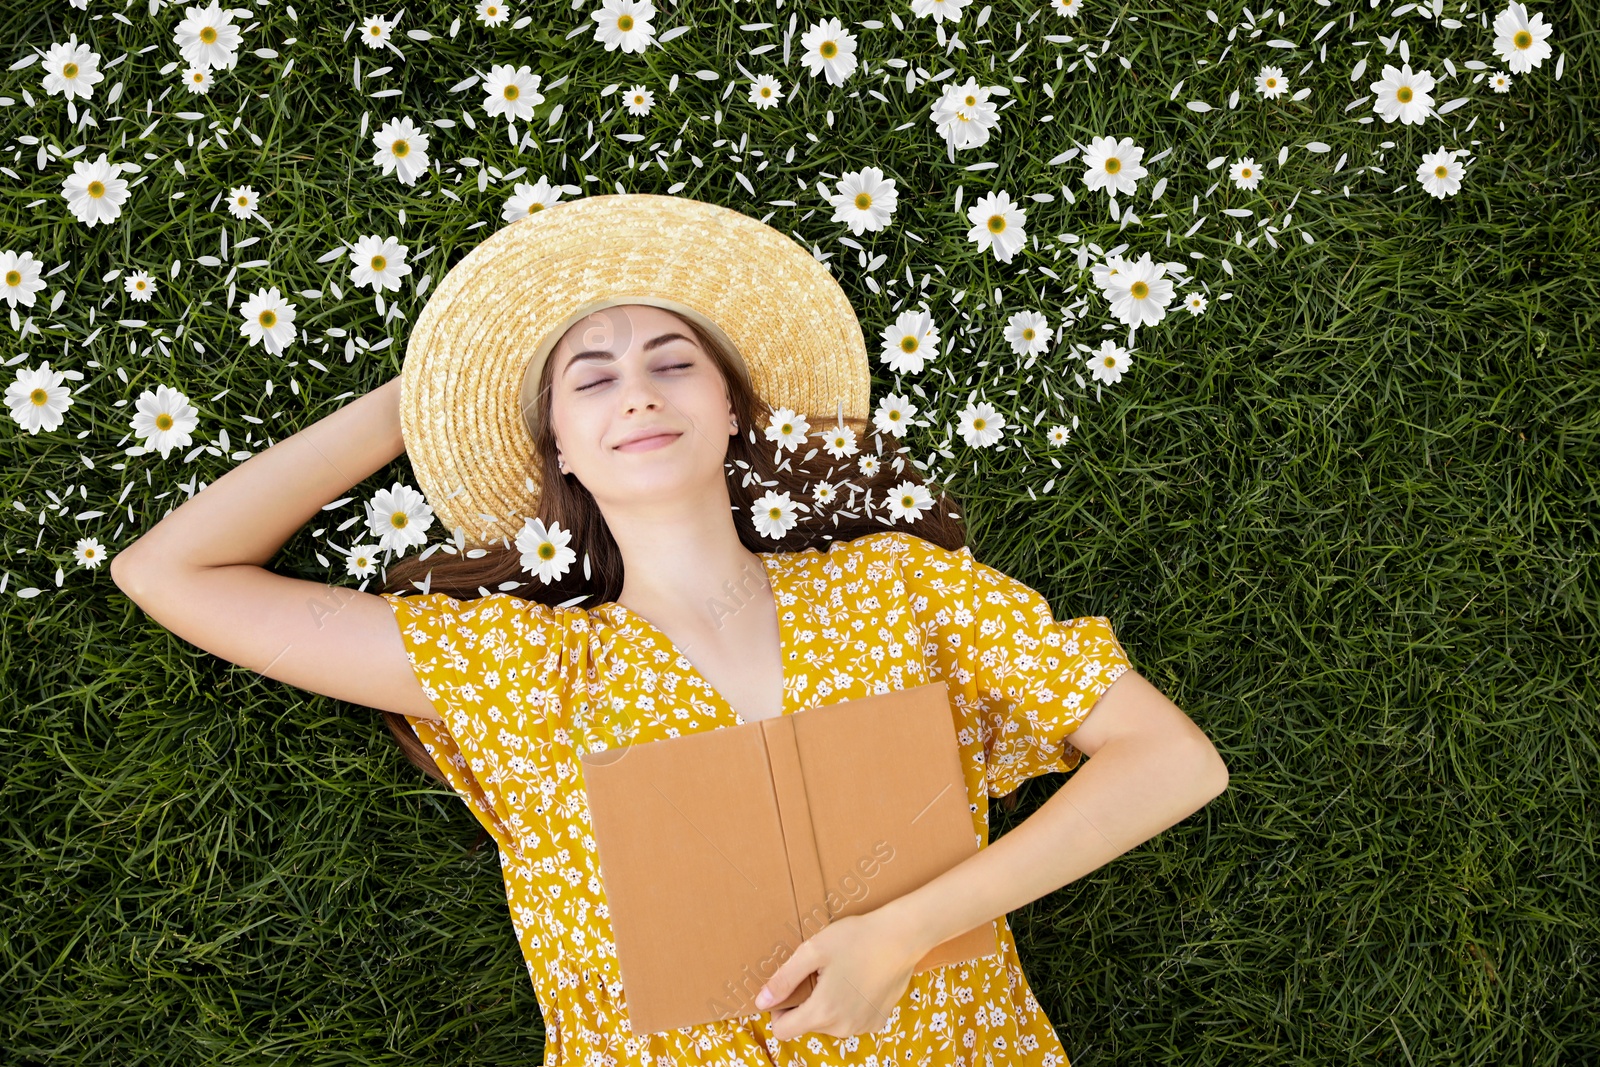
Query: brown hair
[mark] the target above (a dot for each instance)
(751, 472)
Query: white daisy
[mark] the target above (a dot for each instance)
(893, 414)
(1270, 82)
(839, 441)
(140, 286)
(939, 10)
(1028, 333)
(867, 464)
(402, 149)
(198, 80)
(1107, 364)
(639, 100)
(19, 277)
(400, 517)
(980, 425)
(908, 501)
(1059, 435)
(375, 32)
(1403, 94)
(964, 115)
(163, 419)
(530, 197)
(93, 191)
(624, 24)
(37, 398)
(511, 91)
(864, 200)
(1105, 272)
(242, 201)
(830, 50)
(492, 12)
(824, 493)
(1070, 8)
(765, 92)
(1195, 302)
(544, 550)
(207, 37)
(1140, 294)
(90, 552)
(1520, 42)
(1245, 173)
(269, 319)
(71, 70)
(1500, 81)
(774, 514)
(1113, 165)
(362, 561)
(997, 223)
(378, 262)
(788, 428)
(910, 342)
(1440, 173)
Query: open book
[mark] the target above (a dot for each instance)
(722, 851)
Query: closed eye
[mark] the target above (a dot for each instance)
(602, 381)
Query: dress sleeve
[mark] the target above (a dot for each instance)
(479, 661)
(1024, 678)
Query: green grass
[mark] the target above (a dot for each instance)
(1346, 519)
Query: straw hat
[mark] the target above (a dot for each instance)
(469, 383)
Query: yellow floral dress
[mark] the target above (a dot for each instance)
(525, 689)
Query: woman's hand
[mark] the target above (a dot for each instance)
(863, 964)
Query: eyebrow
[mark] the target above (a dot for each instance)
(600, 353)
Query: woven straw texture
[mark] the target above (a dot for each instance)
(497, 309)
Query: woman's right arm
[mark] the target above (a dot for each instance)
(201, 571)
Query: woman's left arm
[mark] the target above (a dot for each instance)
(1150, 767)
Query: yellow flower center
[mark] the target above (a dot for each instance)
(788, 428)
(978, 424)
(972, 101)
(491, 11)
(1441, 171)
(511, 92)
(1272, 83)
(1522, 39)
(908, 344)
(535, 207)
(13, 277)
(244, 201)
(625, 23)
(163, 421)
(1404, 95)
(1246, 172)
(400, 148)
(268, 319)
(997, 223)
(88, 553)
(863, 201)
(1113, 165)
(138, 285)
(906, 500)
(399, 519)
(829, 49)
(547, 550)
(1139, 290)
(97, 189)
(775, 513)
(378, 262)
(70, 70)
(1027, 334)
(377, 31)
(199, 77)
(765, 91)
(209, 35)
(38, 396)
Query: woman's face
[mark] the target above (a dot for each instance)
(631, 369)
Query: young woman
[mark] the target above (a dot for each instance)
(697, 621)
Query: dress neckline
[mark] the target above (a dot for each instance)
(783, 645)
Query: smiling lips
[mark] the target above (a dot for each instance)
(647, 444)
